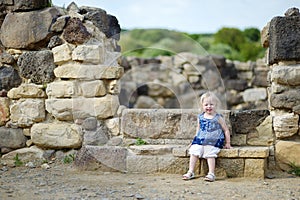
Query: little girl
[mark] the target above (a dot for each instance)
(211, 133)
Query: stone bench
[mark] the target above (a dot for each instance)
(171, 158)
(248, 161)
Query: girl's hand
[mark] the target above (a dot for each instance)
(227, 146)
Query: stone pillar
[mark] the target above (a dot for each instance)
(282, 38)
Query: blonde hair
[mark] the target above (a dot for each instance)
(212, 96)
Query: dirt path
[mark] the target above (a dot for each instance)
(65, 182)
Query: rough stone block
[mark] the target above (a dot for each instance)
(104, 157)
(163, 123)
(233, 167)
(4, 110)
(152, 149)
(141, 164)
(255, 168)
(180, 152)
(284, 39)
(229, 153)
(254, 152)
(26, 112)
(287, 152)
(56, 135)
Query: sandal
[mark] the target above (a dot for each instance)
(188, 176)
(210, 177)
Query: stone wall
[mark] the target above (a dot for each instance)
(59, 77)
(282, 38)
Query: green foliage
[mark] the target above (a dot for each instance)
(295, 169)
(232, 43)
(231, 36)
(69, 158)
(140, 141)
(252, 34)
(153, 42)
(18, 161)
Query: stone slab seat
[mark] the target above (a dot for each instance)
(181, 151)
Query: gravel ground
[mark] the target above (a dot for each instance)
(63, 181)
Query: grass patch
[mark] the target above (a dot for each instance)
(69, 158)
(140, 141)
(18, 161)
(295, 169)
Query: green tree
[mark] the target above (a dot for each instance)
(252, 34)
(231, 36)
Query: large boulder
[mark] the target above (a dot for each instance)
(20, 31)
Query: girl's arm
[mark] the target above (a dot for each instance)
(226, 132)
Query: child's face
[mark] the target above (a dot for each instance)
(209, 105)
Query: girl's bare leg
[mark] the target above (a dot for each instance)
(193, 161)
(211, 165)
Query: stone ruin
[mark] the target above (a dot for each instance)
(62, 82)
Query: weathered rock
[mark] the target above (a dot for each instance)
(88, 72)
(56, 135)
(9, 78)
(37, 66)
(265, 36)
(244, 122)
(286, 75)
(255, 94)
(288, 99)
(90, 124)
(59, 23)
(113, 125)
(81, 108)
(106, 158)
(146, 102)
(25, 112)
(286, 125)
(260, 78)
(54, 41)
(292, 12)
(4, 110)
(106, 23)
(283, 41)
(89, 54)
(12, 138)
(25, 32)
(6, 58)
(62, 89)
(154, 124)
(75, 32)
(287, 153)
(62, 53)
(31, 154)
(98, 137)
(27, 5)
(263, 136)
(255, 168)
(236, 84)
(26, 91)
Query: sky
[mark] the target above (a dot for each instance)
(191, 16)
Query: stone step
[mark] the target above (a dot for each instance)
(153, 149)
